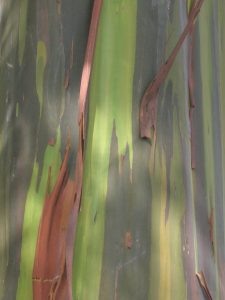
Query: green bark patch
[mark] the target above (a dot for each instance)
(166, 252)
(205, 37)
(40, 68)
(110, 103)
(33, 210)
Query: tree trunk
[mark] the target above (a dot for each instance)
(151, 220)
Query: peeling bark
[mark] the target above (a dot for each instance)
(52, 273)
(148, 109)
(202, 281)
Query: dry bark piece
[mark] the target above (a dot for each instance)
(78, 179)
(202, 282)
(128, 240)
(148, 109)
(49, 263)
(85, 78)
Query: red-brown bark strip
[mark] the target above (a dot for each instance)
(86, 73)
(85, 79)
(148, 109)
(52, 271)
(202, 282)
(49, 260)
(128, 240)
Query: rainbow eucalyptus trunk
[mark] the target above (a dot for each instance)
(151, 219)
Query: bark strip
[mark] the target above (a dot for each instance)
(148, 109)
(52, 272)
(202, 282)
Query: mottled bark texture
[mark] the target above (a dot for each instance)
(151, 220)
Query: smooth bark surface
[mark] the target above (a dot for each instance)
(150, 226)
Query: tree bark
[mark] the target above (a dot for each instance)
(149, 225)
